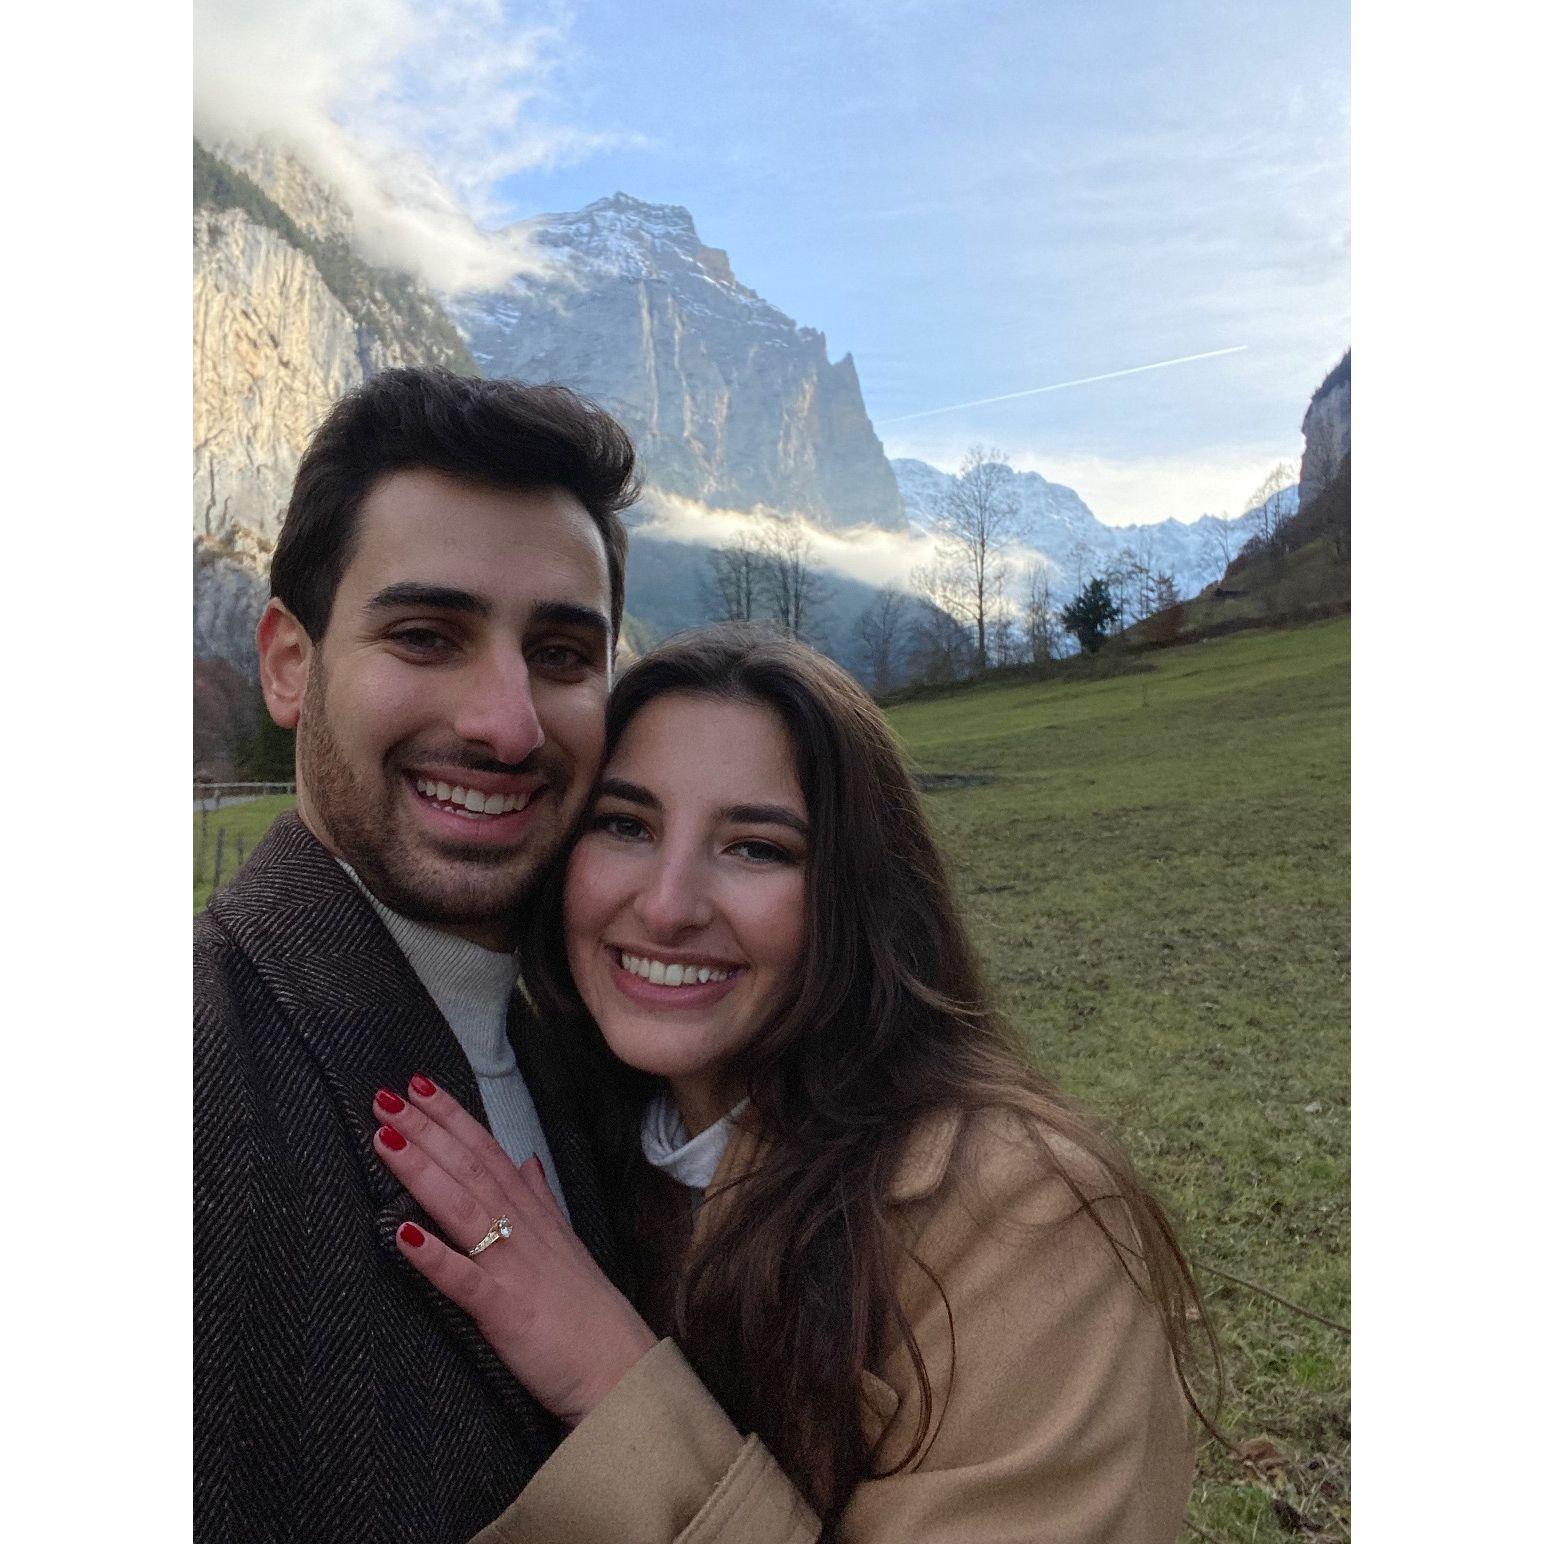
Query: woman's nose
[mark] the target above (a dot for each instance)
(675, 898)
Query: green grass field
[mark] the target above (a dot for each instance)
(1159, 880)
(243, 826)
(1157, 871)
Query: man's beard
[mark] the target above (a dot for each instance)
(444, 886)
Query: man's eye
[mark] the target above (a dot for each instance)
(421, 640)
(560, 656)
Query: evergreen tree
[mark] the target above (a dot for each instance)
(1089, 615)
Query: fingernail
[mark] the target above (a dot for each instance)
(411, 1235)
(421, 1085)
(391, 1103)
(393, 1138)
(541, 1168)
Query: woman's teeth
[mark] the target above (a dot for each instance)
(472, 802)
(670, 975)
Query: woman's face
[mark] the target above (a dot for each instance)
(684, 899)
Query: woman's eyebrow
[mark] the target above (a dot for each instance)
(619, 788)
(766, 815)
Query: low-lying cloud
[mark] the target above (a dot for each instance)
(866, 553)
(413, 113)
(874, 556)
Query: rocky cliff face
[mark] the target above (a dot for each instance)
(285, 320)
(1326, 432)
(729, 401)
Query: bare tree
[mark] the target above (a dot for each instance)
(793, 589)
(735, 581)
(1120, 578)
(1165, 591)
(1270, 509)
(1004, 640)
(1040, 624)
(941, 646)
(879, 629)
(1081, 558)
(1219, 543)
(943, 585)
(975, 521)
(1144, 571)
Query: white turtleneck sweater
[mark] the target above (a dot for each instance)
(690, 1160)
(472, 986)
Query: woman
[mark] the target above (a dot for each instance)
(932, 1291)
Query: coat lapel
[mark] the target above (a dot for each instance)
(368, 1022)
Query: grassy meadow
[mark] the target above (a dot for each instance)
(1156, 866)
(1158, 875)
(243, 826)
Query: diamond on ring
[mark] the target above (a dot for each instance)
(500, 1229)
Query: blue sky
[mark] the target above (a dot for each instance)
(973, 199)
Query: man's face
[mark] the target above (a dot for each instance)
(453, 714)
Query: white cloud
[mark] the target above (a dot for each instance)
(413, 112)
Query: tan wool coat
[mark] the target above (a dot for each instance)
(1060, 1421)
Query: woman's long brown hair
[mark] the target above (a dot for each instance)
(890, 1023)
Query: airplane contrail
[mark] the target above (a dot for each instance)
(1035, 391)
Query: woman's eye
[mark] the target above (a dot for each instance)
(624, 827)
(761, 852)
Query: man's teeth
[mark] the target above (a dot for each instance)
(670, 975)
(472, 801)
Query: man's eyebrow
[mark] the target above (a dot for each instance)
(633, 793)
(432, 597)
(766, 815)
(562, 613)
(440, 597)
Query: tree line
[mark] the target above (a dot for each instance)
(966, 611)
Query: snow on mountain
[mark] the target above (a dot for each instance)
(729, 400)
(1061, 528)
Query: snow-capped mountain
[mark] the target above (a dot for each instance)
(1060, 527)
(730, 401)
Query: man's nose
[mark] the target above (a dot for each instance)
(497, 710)
(675, 898)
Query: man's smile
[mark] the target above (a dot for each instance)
(486, 809)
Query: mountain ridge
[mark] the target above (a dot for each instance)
(730, 401)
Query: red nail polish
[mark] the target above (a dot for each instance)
(412, 1235)
(393, 1138)
(541, 1168)
(422, 1086)
(391, 1103)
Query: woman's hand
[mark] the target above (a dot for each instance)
(538, 1298)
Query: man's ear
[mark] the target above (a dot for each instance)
(284, 650)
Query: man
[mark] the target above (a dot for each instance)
(446, 595)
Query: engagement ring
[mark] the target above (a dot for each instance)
(500, 1229)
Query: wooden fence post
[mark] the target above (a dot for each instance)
(219, 857)
(203, 840)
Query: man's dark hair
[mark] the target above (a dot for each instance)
(500, 434)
